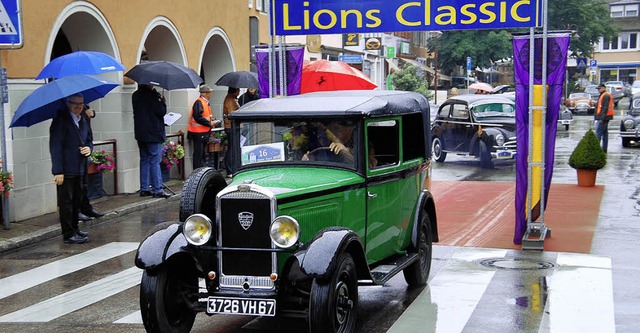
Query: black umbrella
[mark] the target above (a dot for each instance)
(239, 79)
(165, 74)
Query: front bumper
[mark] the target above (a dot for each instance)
(631, 133)
(504, 154)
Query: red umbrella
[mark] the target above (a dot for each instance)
(325, 75)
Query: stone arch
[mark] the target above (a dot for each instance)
(95, 35)
(161, 41)
(216, 60)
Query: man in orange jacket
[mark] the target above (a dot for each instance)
(200, 124)
(604, 113)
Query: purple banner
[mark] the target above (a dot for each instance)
(558, 44)
(294, 59)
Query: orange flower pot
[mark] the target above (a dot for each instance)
(586, 178)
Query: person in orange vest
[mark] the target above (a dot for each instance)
(200, 124)
(604, 113)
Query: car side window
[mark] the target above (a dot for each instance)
(382, 144)
(460, 111)
(444, 111)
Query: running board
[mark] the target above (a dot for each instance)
(386, 270)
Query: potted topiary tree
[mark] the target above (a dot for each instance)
(587, 158)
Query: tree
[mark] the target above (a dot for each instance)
(589, 18)
(408, 79)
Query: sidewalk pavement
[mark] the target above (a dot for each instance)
(36, 229)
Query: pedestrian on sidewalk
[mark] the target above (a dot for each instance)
(604, 113)
(70, 143)
(200, 124)
(87, 212)
(229, 106)
(149, 108)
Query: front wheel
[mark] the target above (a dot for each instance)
(626, 142)
(199, 193)
(437, 149)
(417, 273)
(165, 302)
(332, 304)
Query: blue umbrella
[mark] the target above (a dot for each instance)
(80, 62)
(45, 102)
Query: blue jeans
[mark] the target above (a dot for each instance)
(602, 133)
(150, 156)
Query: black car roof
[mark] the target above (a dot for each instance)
(355, 103)
(473, 98)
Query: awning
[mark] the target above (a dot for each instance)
(393, 65)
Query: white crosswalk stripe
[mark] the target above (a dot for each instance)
(25, 280)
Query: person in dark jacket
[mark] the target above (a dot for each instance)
(70, 143)
(250, 95)
(604, 113)
(149, 109)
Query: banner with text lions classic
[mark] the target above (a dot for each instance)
(308, 17)
(558, 45)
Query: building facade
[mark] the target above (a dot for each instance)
(212, 37)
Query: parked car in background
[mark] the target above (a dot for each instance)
(630, 123)
(618, 90)
(501, 89)
(592, 90)
(580, 102)
(483, 126)
(328, 193)
(635, 87)
(565, 117)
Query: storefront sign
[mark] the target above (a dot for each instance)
(298, 17)
(350, 40)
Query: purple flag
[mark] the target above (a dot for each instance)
(294, 59)
(558, 44)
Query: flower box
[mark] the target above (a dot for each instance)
(214, 147)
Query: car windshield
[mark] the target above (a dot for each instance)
(591, 90)
(494, 109)
(614, 83)
(579, 95)
(326, 141)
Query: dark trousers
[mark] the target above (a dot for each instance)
(228, 162)
(69, 199)
(602, 133)
(198, 141)
(85, 205)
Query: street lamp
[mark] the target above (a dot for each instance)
(435, 34)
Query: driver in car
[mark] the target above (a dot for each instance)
(331, 142)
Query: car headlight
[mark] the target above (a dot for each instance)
(284, 231)
(629, 124)
(500, 139)
(197, 229)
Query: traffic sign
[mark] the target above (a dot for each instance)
(468, 63)
(10, 24)
(593, 63)
(581, 63)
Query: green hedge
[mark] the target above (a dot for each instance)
(588, 154)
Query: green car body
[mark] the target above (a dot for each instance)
(328, 193)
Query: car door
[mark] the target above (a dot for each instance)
(460, 126)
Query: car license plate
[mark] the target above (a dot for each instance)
(241, 306)
(505, 155)
(566, 122)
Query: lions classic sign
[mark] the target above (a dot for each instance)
(299, 17)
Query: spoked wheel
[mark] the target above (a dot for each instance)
(485, 156)
(199, 193)
(333, 303)
(436, 149)
(417, 273)
(165, 300)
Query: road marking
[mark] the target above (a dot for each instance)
(580, 295)
(76, 299)
(31, 278)
(134, 318)
(451, 296)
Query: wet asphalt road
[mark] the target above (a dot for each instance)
(380, 307)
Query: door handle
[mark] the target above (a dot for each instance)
(371, 195)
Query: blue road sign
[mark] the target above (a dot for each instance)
(593, 63)
(10, 24)
(468, 63)
(581, 63)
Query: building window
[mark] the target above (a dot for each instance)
(624, 10)
(262, 5)
(626, 41)
(250, 3)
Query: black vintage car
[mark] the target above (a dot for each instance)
(477, 125)
(630, 123)
(328, 193)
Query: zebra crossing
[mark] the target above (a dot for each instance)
(470, 290)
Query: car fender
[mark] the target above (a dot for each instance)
(426, 204)
(163, 241)
(318, 258)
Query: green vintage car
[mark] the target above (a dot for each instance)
(328, 194)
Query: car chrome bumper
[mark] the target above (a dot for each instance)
(630, 134)
(504, 154)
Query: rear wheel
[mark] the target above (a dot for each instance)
(165, 301)
(485, 156)
(437, 149)
(199, 193)
(332, 304)
(417, 273)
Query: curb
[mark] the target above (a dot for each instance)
(55, 230)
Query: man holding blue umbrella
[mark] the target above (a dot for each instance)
(70, 143)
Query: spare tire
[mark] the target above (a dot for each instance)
(199, 193)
